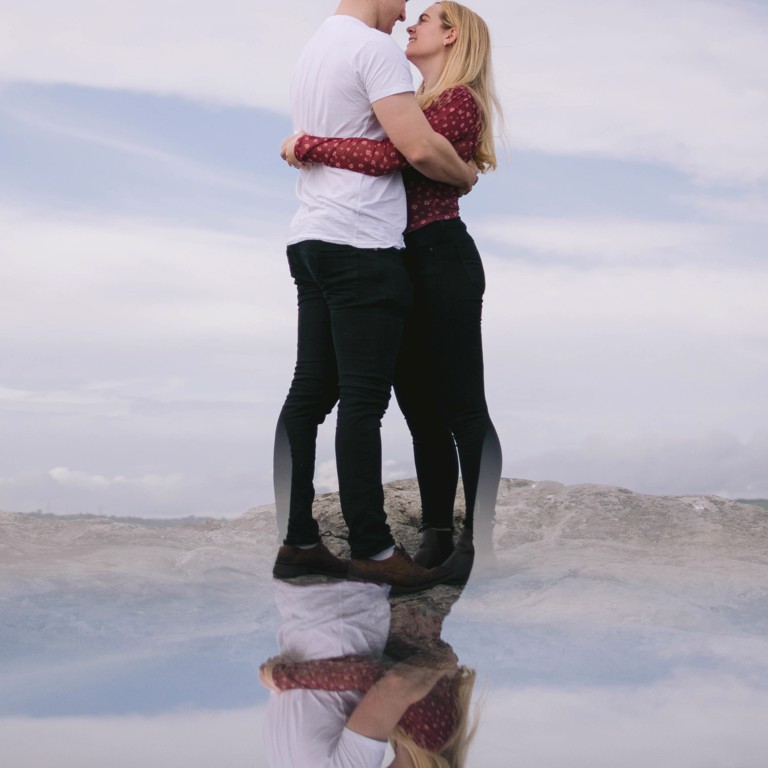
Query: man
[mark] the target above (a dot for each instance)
(353, 290)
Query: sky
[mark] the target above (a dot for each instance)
(146, 312)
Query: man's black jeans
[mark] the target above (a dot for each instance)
(352, 308)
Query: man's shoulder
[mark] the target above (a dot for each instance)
(355, 34)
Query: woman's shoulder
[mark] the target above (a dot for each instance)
(459, 92)
(458, 96)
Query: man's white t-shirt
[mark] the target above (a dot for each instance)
(344, 68)
(324, 621)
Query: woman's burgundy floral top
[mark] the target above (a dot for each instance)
(454, 114)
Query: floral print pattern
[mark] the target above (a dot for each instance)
(454, 114)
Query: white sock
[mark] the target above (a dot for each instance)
(384, 554)
(308, 546)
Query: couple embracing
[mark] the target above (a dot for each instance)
(390, 286)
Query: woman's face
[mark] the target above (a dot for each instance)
(427, 37)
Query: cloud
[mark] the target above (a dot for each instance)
(162, 484)
(42, 402)
(155, 349)
(687, 722)
(641, 297)
(107, 279)
(72, 491)
(646, 376)
(78, 479)
(174, 740)
(230, 53)
(606, 241)
(224, 486)
(747, 209)
(326, 480)
(678, 83)
(145, 348)
(153, 352)
(171, 164)
(716, 463)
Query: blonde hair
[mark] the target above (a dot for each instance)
(468, 63)
(454, 752)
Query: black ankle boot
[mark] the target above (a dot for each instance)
(435, 547)
(460, 562)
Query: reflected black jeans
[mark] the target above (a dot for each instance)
(352, 308)
(439, 380)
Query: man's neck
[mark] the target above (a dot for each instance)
(364, 10)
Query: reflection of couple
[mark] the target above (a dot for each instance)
(371, 315)
(348, 680)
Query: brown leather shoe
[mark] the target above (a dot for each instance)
(399, 571)
(293, 561)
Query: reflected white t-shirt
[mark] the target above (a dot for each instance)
(344, 68)
(322, 621)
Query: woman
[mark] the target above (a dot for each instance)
(439, 377)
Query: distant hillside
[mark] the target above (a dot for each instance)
(757, 502)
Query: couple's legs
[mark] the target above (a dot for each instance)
(352, 308)
(439, 379)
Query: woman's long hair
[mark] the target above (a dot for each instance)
(454, 752)
(469, 63)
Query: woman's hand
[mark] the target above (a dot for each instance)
(265, 673)
(287, 150)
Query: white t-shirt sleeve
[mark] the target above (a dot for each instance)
(383, 68)
(354, 750)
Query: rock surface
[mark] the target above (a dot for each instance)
(590, 556)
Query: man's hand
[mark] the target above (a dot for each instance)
(287, 150)
(416, 682)
(405, 684)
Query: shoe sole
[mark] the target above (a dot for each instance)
(457, 582)
(399, 589)
(286, 571)
(409, 590)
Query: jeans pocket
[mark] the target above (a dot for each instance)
(472, 264)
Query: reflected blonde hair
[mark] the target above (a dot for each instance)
(469, 63)
(454, 752)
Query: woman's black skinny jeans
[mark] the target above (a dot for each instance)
(439, 381)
